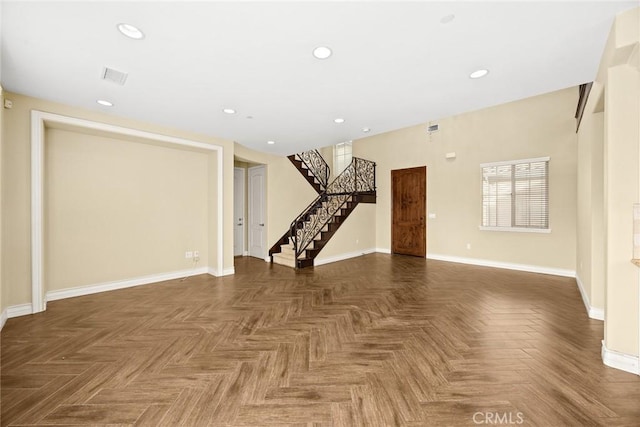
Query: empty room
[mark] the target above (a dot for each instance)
(314, 213)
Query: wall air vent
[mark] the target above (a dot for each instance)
(432, 128)
(114, 76)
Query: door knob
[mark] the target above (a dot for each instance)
(261, 225)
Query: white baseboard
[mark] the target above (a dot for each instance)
(245, 253)
(226, 272)
(19, 310)
(505, 265)
(3, 318)
(383, 250)
(624, 362)
(15, 311)
(121, 284)
(342, 257)
(593, 312)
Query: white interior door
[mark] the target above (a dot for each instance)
(257, 212)
(238, 211)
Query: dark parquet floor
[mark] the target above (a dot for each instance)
(378, 340)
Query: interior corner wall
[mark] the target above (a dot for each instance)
(619, 74)
(2, 284)
(227, 209)
(590, 252)
(534, 127)
(16, 233)
(622, 147)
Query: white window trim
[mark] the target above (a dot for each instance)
(515, 162)
(335, 160)
(517, 229)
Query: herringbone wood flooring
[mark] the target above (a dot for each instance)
(379, 340)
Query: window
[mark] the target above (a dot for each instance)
(515, 195)
(341, 157)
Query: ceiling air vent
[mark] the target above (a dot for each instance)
(114, 76)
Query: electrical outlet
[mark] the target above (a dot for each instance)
(468, 245)
(188, 254)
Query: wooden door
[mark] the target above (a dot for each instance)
(409, 208)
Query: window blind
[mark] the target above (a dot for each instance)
(515, 194)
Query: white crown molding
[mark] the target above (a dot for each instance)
(122, 284)
(624, 362)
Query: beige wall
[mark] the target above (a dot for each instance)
(16, 246)
(533, 127)
(356, 235)
(609, 183)
(590, 214)
(2, 291)
(288, 194)
(622, 158)
(117, 209)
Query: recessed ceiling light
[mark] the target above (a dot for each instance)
(447, 18)
(365, 130)
(105, 103)
(479, 73)
(271, 142)
(229, 111)
(322, 52)
(338, 120)
(131, 31)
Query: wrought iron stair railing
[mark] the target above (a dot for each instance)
(358, 177)
(325, 214)
(313, 167)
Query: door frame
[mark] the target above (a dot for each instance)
(243, 183)
(426, 170)
(251, 210)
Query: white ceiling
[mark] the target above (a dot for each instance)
(394, 64)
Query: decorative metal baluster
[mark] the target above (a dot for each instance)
(322, 210)
(314, 161)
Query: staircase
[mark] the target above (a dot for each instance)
(313, 228)
(313, 168)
